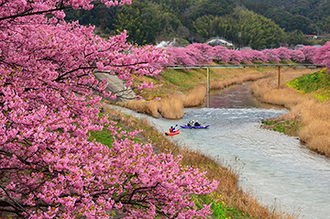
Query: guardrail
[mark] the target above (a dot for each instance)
(246, 66)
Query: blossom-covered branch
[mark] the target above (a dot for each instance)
(48, 166)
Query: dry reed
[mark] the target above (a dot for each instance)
(314, 115)
(194, 97)
(228, 187)
(142, 106)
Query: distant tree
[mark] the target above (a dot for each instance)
(220, 54)
(322, 55)
(325, 24)
(295, 37)
(280, 17)
(212, 7)
(250, 56)
(198, 53)
(178, 56)
(144, 21)
(191, 55)
(272, 55)
(235, 56)
(301, 23)
(309, 53)
(297, 56)
(100, 16)
(205, 51)
(256, 30)
(259, 8)
(283, 53)
(202, 26)
(178, 6)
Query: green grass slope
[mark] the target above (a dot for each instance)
(316, 84)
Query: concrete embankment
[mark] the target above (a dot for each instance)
(117, 86)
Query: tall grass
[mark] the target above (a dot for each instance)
(194, 97)
(233, 201)
(313, 113)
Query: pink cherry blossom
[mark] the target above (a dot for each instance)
(309, 52)
(297, 56)
(49, 167)
(200, 54)
(322, 55)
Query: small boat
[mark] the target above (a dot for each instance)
(194, 127)
(173, 133)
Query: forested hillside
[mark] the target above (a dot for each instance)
(308, 16)
(256, 23)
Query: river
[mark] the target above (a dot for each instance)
(276, 169)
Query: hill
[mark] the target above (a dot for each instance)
(308, 16)
(242, 22)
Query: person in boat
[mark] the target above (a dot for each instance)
(191, 123)
(172, 129)
(197, 123)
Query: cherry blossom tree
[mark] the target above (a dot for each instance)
(272, 55)
(283, 54)
(309, 52)
(48, 166)
(220, 54)
(250, 56)
(193, 54)
(197, 54)
(258, 56)
(203, 52)
(246, 56)
(297, 56)
(179, 56)
(322, 55)
(235, 56)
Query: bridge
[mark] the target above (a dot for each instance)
(279, 66)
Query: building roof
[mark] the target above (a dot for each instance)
(219, 41)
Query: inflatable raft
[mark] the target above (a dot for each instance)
(173, 133)
(194, 127)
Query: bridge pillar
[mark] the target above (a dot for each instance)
(279, 77)
(208, 87)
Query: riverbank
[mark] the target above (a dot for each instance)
(228, 199)
(309, 117)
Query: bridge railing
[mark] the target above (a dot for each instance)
(245, 66)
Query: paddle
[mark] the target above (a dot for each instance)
(176, 128)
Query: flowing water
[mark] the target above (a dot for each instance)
(277, 169)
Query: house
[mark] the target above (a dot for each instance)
(219, 41)
(311, 36)
(164, 44)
